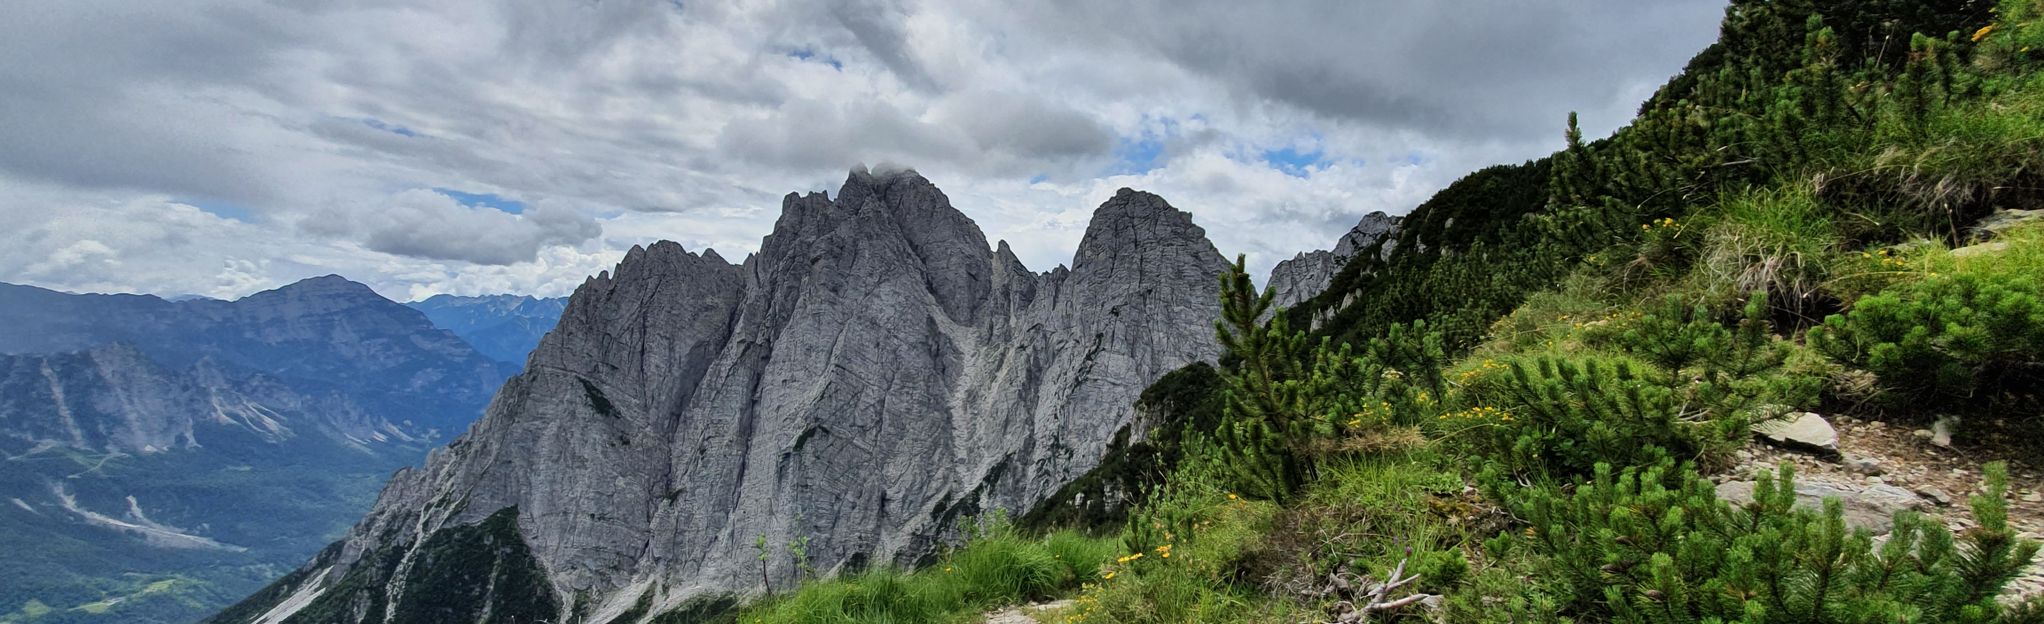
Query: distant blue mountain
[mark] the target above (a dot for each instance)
(161, 458)
(504, 327)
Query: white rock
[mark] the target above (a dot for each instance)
(1941, 431)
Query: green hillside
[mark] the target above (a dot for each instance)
(1523, 413)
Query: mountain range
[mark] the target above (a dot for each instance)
(504, 327)
(162, 458)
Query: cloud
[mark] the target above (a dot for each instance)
(326, 126)
(428, 224)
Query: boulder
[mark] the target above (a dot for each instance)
(1801, 431)
(1872, 507)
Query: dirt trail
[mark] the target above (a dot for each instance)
(1876, 453)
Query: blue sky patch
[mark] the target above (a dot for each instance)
(388, 127)
(1293, 162)
(484, 200)
(1138, 155)
(807, 54)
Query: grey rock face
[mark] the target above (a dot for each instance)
(1309, 273)
(872, 376)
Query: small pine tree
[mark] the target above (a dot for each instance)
(1260, 366)
(1289, 404)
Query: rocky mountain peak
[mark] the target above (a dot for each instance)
(1305, 275)
(873, 375)
(330, 286)
(1137, 217)
(1372, 228)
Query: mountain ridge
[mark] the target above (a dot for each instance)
(686, 405)
(504, 327)
(324, 331)
(200, 445)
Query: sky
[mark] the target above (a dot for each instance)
(219, 148)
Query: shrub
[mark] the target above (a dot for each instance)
(1726, 372)
(1670, 383)
(1504, 594)
(1969, 341)
(1564, 415)
(1655, 544)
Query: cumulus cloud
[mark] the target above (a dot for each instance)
(427, 224)
(223, 146)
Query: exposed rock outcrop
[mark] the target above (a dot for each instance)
(873, 375)
(1870, 507)
(1309, 273)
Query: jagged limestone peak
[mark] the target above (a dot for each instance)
(875, 373)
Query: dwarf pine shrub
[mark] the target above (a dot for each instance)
(1674, 383)
(1654, 544)
(1968, 341)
